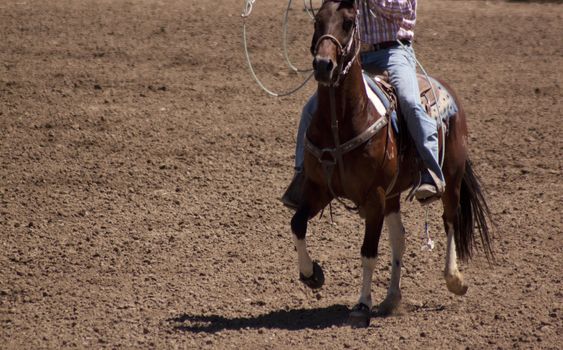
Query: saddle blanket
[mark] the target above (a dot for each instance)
(435, 99)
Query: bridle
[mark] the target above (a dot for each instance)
(343, 51)
(335, 153)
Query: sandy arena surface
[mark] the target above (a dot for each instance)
(141, 166)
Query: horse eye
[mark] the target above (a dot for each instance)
(347, 24)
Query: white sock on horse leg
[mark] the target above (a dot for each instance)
(368, 265)
(305, 262)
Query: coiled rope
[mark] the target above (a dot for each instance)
(285, 26)
(310, 10)
(248, 7)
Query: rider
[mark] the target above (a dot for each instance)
(383, 24)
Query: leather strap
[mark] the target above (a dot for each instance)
(348, 145)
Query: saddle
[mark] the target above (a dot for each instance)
(438, 103)
(434, 97)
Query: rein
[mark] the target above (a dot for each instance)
(336, 153)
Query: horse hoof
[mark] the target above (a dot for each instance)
(389, 305)
(316, 280)
(359, 316)
(456, 285)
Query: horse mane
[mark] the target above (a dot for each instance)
(350, 3)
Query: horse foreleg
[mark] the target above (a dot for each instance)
(299, 228)
(360, 314)
(310, 273)
(397, 243)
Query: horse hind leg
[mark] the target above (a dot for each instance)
(454, 278)
(465, 213)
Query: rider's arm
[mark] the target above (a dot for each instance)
(392, 9)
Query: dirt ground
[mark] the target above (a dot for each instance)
(141, 166)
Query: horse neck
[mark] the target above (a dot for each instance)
(350, 101)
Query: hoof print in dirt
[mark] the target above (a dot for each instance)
(359, 316)
(316, 280)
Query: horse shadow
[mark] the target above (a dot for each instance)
(298, 319)
(293, 320)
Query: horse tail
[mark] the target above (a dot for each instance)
(473, 212)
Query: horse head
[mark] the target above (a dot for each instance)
(335, 42)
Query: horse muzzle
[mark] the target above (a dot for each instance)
(324, 68)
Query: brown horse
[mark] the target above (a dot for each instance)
(373, 168)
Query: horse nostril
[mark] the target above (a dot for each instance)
(324, 65)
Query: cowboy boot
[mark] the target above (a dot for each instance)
(431, 188)
(292, 196)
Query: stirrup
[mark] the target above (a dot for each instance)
(427, 193)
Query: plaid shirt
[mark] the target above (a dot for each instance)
(394, 20)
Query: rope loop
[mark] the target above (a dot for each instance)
(248, 6)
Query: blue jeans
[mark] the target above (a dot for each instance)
(401, 65)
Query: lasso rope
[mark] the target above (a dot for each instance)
(285, 25)
(429, 243)
(310, 10)
(248, 7)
